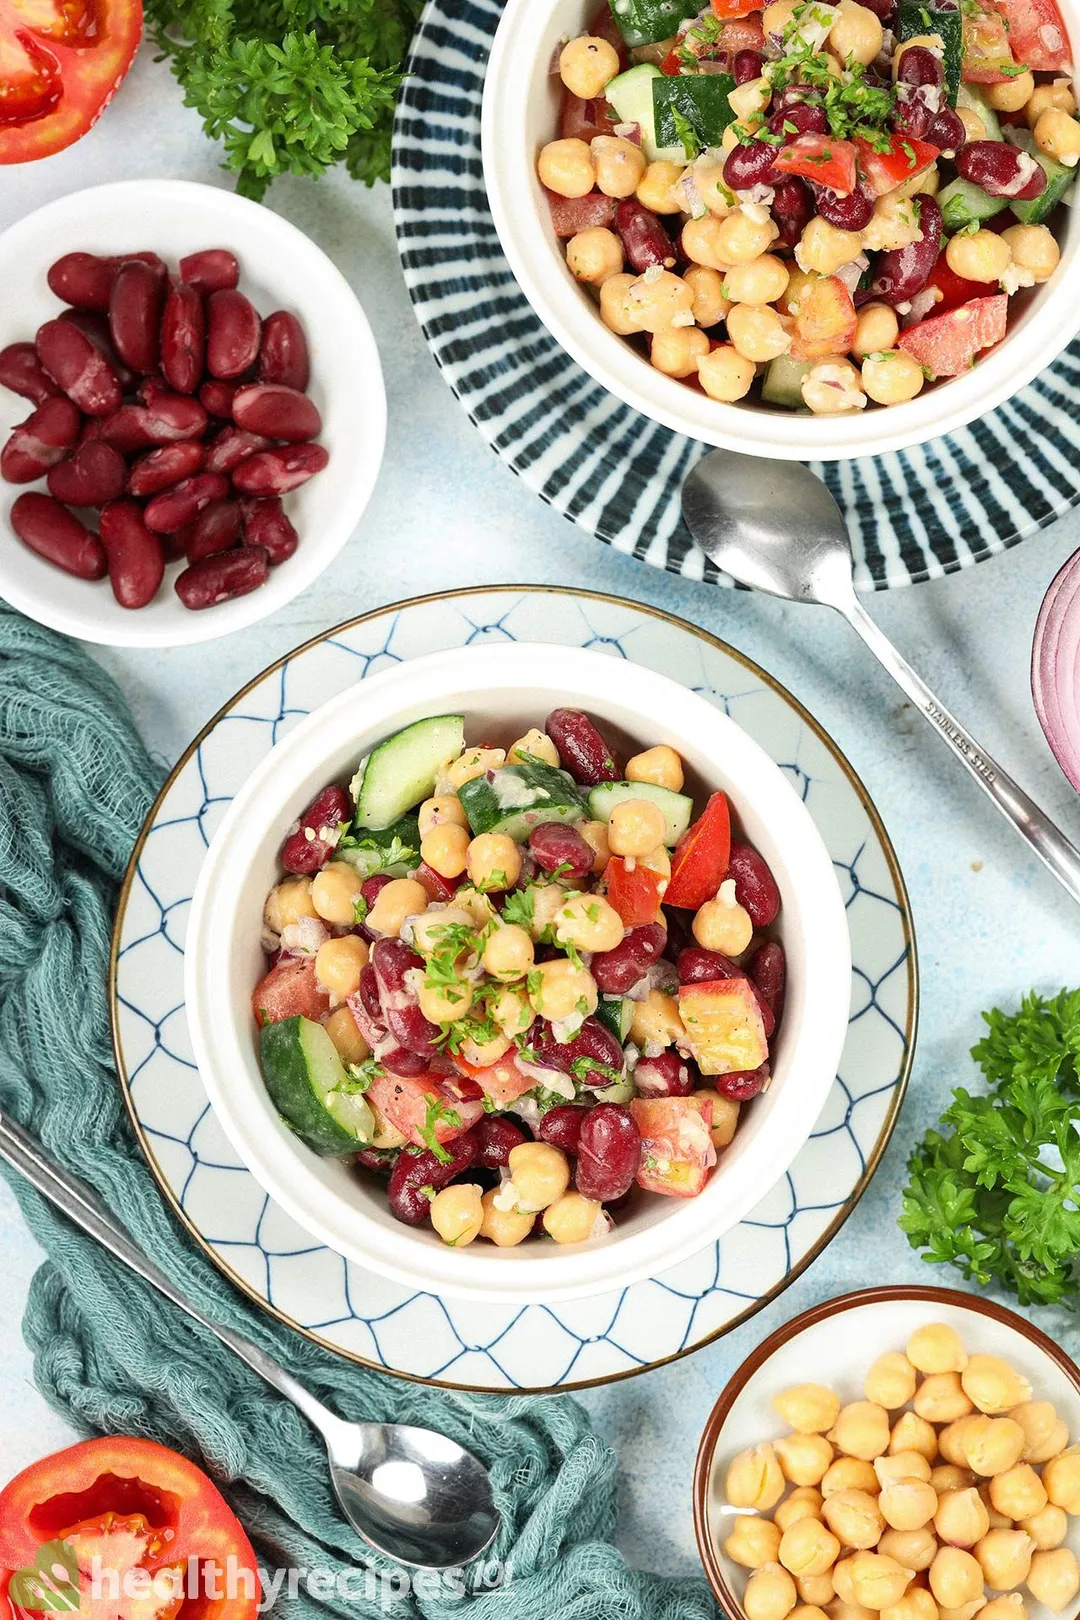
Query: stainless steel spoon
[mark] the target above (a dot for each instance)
(774, 526)
(411, 1493)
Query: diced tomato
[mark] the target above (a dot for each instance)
(825, 322)
(290, 990)
(503, 1082)
(700, 862)
(955, 290)
(634, 891)
(741, 31)
(884, 171)
(988, 56)
(821, 158)
(946, 345)
(724, 1026)
(572, 214)
(673, 64)
(584, 120)
(1037, 34)
(677, 1149)
(61, 63)
(418, 1105)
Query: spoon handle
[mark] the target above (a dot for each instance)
(1048, 841)
(82, 1206)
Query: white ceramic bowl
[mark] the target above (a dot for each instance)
(834, 1343)
(502, 691)
(520, 114)
(279, 269)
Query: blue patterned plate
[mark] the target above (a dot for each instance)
(913, 515)
(448, 1341)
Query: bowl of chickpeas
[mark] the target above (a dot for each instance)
(805, 231)
(903, 1452)
(681, 1147)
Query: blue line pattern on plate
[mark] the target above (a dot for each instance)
(357, 1312)
(913, 515)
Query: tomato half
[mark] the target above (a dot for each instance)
(700, 862)
(131, 1510)
(906, 158)
(61, 62)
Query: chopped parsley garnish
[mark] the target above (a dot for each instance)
(686, 134)
(519, 908)
(572, 952)
(360, 1075)
(453, 941)
(360, 910)
(438, 1112)
(582, 1067)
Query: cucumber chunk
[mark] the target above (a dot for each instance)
(402, 770)
(1058, 180)
(692, 106)
(782, 384)
(311, 1090)
(676, 808)
(963, 204)
(970, 96)
(517, 798)
(617, 1014)
(393, 850)
(914, 19)
(630, 94)
(644, 22)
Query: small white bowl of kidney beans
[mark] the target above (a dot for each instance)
(191, 413)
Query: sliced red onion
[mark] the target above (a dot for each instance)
(1055, 669)
(629, 132)
(304, 937)
(922, 303)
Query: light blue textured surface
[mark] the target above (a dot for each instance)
(991, 922)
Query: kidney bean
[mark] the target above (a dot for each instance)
(96, 328)
(554, 844)
(93, 474)
(666, 1075)
(283, 353)
(884, 10)
(997, 168)
(392, 959)
(749, 165)
(153, 388)
(180, 505)
(127, 429)
(792, 208)
(217, 397)
(183, 339)
(83, 280)
(609, 1152)
(303, 855)
(742, 1084)
(592, 1041)
(561, 1126)
(645, 240)
(231, 446)
(172, 417)
(849, 213)
(23, 373)
(905, 271)
(617, 971)
(370, 999)
(415, 1172)
(913, 114)
(698, 966)
(211, 270)
(496, 1137)
(372, 887)
(768, 970)
(136, 560)
(174, 546)
(947, 132)
(159, 469)
(39, 442)
(276, 472)
(920, 66)
(800, 118)
(411, 1029)
(135, 305)
(216, 528)
(745, 66)
(79, 367)
(219, 579)
(279, 413)
(380, 1160)
(232, 333)
(57, 535)
(266, 523)
(582, 750)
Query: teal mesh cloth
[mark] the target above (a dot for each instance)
(113, 1356)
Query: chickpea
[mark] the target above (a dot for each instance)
(710, 306)
(993, 1444)
(594, 255)
(506, 1228)
(1054, 1578)
(446, 849)
(832, 388)
(961, 1518)
(476, 906)
(1058, 136)
(700, 242)
(654, 188)
(740, 239)
(349, 1044)
(850, 1474)
(566, 167)
(901, 1465)
(442, 808)
(725, 1115)
(287, 902)
(615, 305)
(1061, 1479)
(586, 65)
(951, 1440)
(619, 166)
(974, 128)
(761, 281)
(993, 1386)
(589, 922)
(483, 1053)
(657, 303)
(878, 1582)
(508, 953)
(656, 1021)
(913, 1433)
(571, 1218)
(1048, 1528)
(562, 989)
(803, 1457)
(916, 1604)
(940, 1398)
(754, 1479)
(339, 963)
(908, 1504)
(445, 1003)
(547, 899)
(982, 256)
(595, 834)
(472, 763)
(756, 330)
(721, 926)
(998, 1521)
(808, 1548)
(894, 224)
(936, 1348)
(1009, 1606)
(429, 932)
(1059, 94)
(1044, 1432)
(770, 1593)
(915, 1549)
(776, 18)
(635, 827)
(725, 374)
(826, 248)
(862, 1430)
(956, 1577)
(807, 1408)
(677, 350)
(803, 1503)
(855, 1517)
(948, 1477)
(964, 1611)
(1033, 248)
(1018, 1493)
(840, 1609)
(718, 198)
(892, 378)
(540, 1173)
(842, 1580)
(808, 1611)
(1005, 1556)
(493, 862)
(753, 1541)
(856, 34)
(533, 745)
(1011, 94)
(510, 1009)
(396, 900)
(335, 891)
(661, 766)
(890, 1381)
(815, 1590)
(457, 1213)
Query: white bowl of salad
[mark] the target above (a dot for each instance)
(517, 975)
(812, 230)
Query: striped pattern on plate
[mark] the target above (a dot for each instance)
(913, 515)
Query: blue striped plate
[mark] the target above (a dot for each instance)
(913, 515)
